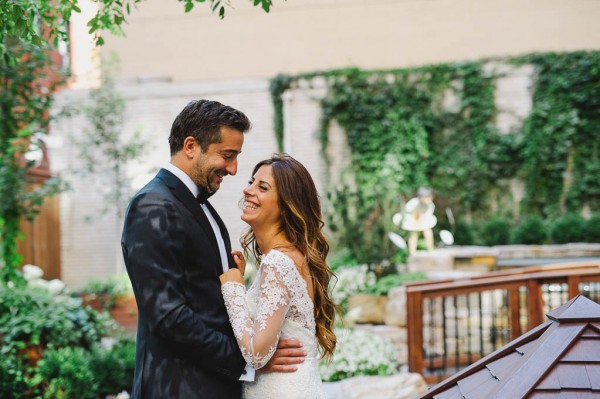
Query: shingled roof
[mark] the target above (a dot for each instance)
(558, 359)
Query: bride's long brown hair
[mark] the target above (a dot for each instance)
(302, 224)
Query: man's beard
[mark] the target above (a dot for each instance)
(203, 178)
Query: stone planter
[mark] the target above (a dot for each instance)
(366, 308)
(395, 309)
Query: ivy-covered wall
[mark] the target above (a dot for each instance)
(404, 133)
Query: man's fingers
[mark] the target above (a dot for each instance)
(289, 343)
(289, 353)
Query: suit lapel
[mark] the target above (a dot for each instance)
(183, 194)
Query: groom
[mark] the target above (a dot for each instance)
(175, 247)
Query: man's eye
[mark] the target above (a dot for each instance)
(228, 157)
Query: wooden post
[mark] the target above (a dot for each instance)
(534, 303)
(414, 327)
(514, 311)
(573, 284)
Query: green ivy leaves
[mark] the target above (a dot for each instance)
(403, 134)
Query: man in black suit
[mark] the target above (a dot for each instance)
(175, 247)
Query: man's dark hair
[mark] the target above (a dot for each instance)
(203, 119)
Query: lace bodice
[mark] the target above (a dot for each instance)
(278, 293)
(276, 305)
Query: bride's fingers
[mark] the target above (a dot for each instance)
(239, 260)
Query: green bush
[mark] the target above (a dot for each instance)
(341, 257)
(386, 283)
(530, 230)
(568, 228)
(113, 369)
(350, 280)
(15, 375)
(63, 332)
(464, 233)
(495, 231)
(67, 374)
(592, 228)
(33, 316)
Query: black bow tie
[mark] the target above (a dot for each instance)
(203, 195)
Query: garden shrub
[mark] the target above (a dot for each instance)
(386, 283)
(96, 373)
(341, 257)
(350, 280)
(530, 230)
(15, 375)
(495, 231)
(568, 228)
(592, 228)
(34, 323)
(463, 233)
(67, 374)
(113, 368)
(32, 316)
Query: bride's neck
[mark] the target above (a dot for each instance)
(270, 239)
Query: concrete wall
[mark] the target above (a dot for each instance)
(308, 35)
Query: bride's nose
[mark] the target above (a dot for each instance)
(247, 191)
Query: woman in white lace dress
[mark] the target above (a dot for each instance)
(289, 297)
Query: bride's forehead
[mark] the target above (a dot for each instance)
(265, 173)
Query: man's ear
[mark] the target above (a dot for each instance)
(190, 147)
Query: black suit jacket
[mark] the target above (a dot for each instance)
(185, 345)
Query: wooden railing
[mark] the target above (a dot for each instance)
(453, 323)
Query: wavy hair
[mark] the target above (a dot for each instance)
(302, 224)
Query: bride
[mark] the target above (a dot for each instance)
(289, 297)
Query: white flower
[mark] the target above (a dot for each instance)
(32, 272)
(351, 280)
(122, 395)
(359, 353)
(55, 286)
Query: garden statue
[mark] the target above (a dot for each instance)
(418, 217)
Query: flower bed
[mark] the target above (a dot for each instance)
(359, 353)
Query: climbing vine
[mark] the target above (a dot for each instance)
(562, 133)
(436, 126)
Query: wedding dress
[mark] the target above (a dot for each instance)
(276, 305)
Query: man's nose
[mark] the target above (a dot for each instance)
(231, 168)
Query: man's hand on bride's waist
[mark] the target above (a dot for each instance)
(289, 352)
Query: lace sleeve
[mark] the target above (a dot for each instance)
(258, 338)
